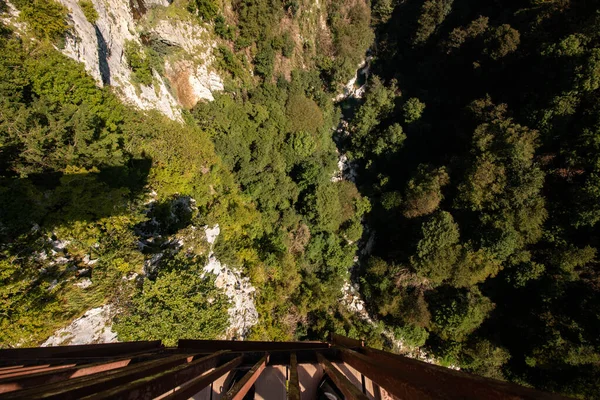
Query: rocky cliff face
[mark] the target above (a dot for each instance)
(100, 46)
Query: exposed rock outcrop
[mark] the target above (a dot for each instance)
(239, 290)
(100, 46)
(92, 327)
(199, 240)
(190, 76)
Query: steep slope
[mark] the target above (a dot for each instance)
(121, 26)
(107, 202)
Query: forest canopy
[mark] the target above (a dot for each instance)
(486, 214)
(459, 189)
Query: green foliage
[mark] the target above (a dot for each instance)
(178, 304)
(456, 314)
(504, 185)
(412, 336)
(264, 62)
(413, 109)
(476, 205)
(276, 141)
(352, 36)
(288, 46)
(366, 137)
(391, 200)
(439, 248)
(433, 13)
(382, 10)
(304, 114)
(571, 46)
(447, 352)
(484, 358)
(75, 162)
(222, 29)
(67, 124)
(45, 18)
(515, 223)
(336, 51)
(139, 63)
(521, 274)
(227, 61)
(424, 192)
(502, 41)
(589, 77)
(89, 11)
(390, 141)
(474, 267)
(207, 10)
(256, 20)
(460, 35)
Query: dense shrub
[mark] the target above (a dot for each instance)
(89, 11)
(46, 18)
(139, 62)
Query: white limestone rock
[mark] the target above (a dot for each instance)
(100, 48)
(84, 283)
(92, 327)
(239, 290)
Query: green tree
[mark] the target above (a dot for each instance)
(379, 103)
(474, 267)
(439, 248)
(484, 358)
(303, 114)
(411, 336)
(502, 41)
(139, 63)
(433, 13)
(382, 10)
(352, 36)
(177, 304)
(413, 109)
(207, 10)
(390, 141)
(459, 35)
(504, 184)
(46, 18)
(325, 208)
(222, 29)
(456, 314)
(424, 192)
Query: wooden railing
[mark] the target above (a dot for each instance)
(146, 370)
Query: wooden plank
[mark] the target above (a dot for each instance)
(11, 370)
(195, 385)
(154, 385)
(392, 380)
(35, 371)
(34, 362)
(343, 341)
(14, 367)
(46, 376)
(412, 379)
(239, 390)
(293, 383)
(350, 391)
(87, 350)
(376, 391)
(250, 346)
(86, 385)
